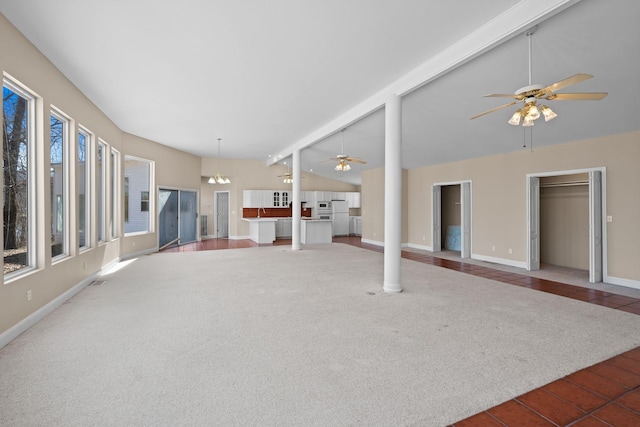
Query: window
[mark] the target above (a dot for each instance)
(144, 201)
(100, 188)
(84, 181)
(18, 210)
(58, 142)
(126, 202)
(115, 180)
(139, 174)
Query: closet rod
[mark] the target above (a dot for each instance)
(564, 184)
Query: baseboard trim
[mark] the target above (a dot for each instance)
(372, 242)
(503, 261)
(20, 327)
(238, 237)
(137, 254)
(420, 247)
(623, 282)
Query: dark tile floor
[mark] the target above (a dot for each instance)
(605, 394)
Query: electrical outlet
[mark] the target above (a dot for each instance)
(29, 295)
(510, 251)
(609, 218)
(493, 248)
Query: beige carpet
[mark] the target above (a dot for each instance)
(271, 337)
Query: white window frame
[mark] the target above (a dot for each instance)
(115, 194)
(66, 138)
(32, 119)
(101, 187)
(89, 138)
(151, 215)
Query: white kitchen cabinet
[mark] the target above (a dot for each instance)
(355, 226)
(353, 199)
(252, 198)
(267, 199)
(283, 228)
(310, 199)
(286, 197)
(322, 196)
(338, 195)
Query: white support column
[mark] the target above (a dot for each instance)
(392, 194)
(296, 206)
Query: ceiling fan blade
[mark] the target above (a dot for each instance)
(332, 159)
(494, 109)
(592, 96)
(502, 95)
(356, 160)
(566, 82)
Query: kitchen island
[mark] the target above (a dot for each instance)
(316, 231)
(262, 230)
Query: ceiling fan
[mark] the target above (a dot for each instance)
(288, 176)
(343, 159)
(529, 96)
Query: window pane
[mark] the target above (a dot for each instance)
(57, 171)
(138, 172)
(15, 168)
(100, 185)
(126, 202)
(115, 157)
(83, 188)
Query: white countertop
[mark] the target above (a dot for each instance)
(315, 220)
(269, 219)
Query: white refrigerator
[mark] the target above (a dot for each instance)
(340, 216)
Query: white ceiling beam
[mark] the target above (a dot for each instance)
(514, 21)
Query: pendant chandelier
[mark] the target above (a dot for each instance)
(218, 178)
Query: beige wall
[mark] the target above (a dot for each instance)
(20, 60)
(499, 198)
(372, 194)
(252, 175)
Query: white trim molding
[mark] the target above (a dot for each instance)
(502, 261)
(629, 283)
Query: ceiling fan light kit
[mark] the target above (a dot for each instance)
(343, 166)
(343, 159)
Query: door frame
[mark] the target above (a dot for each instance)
(179, 189)
(215, 211)
(466, 216)
(597, 221)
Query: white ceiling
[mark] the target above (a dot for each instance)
(267, 77)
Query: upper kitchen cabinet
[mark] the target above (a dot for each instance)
(252, 199)
(309, 197)
(268, 198)
(353, 199)
(323, 196)
(338, 195)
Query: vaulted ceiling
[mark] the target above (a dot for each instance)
(270, 77)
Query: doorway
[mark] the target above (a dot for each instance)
(565, 221)
(177, 217)
(221, 209)
(451, 217)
